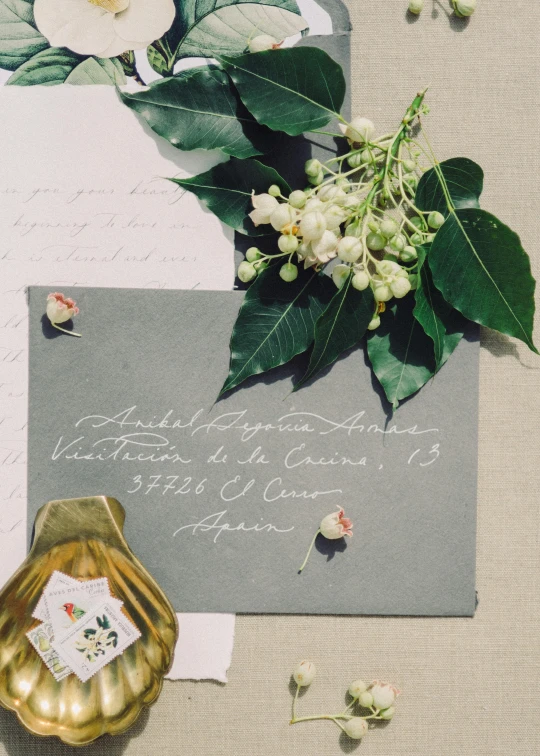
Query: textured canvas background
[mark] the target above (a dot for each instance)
(470, 685)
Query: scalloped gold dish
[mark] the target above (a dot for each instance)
(83, 538)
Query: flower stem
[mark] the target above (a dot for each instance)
(309, 551)
(69, 333)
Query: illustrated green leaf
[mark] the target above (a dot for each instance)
(57, 65)
(440, 320)
(206, 28)
(19, 37)
(293, 90)
(481, 269)
(340, 327)
(158, 59)
(226, 190)
(401, 353)
(200, 108)
(276, 322)
(464, 182)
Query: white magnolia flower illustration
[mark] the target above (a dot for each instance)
(103, 27)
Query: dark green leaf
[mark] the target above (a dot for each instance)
(200, 108)
(57, 65)
(340, 327)
(481, 269)
(276, 322)
(440, 321)
(294, 90)
(205, 28)
(464, 180)
(400, 352)
(226, 190)
(19, 37)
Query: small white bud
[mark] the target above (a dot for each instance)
(373, 226)
(366, 699)
(435, 219)
(253, 254)
(464, 7)
(330, 193)
(312, 167)
(416, 6)
(304, 673)
(360, 280)
(389, 228)
(288, 272)
(359, 130)
(288, 244)
(400, 287)
(409, 165)
(356, 728)
(274, 190)
(314, 204)
(355, 160)
(340, 274)
(317, 179)
(264, 205)
(313, 225)
(246, 272)
(383, 694)
(375, 241)
(335, 216)
(389, 268)
(262, 42)
(297, 199)
(282, 216)
(398, 243)
(382, 293)
(325, 247)
(357, 687)
(349, 249)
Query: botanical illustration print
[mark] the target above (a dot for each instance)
(94, 642)
(54, 42)
(41, 638)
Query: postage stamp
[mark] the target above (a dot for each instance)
(58, 582)
(94, 641)
(41, 637)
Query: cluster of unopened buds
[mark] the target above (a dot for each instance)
(462, 8)
(375, 699)
(359, 208)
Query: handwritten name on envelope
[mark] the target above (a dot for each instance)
(223, 498)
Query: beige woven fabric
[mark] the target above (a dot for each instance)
(470, 687)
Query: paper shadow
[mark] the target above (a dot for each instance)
(499, 345)
(18, 742)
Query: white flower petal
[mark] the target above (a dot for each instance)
(145, 19)
(78, 25)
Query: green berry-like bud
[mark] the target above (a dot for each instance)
(387, 713)
(360, 281)
(417, 221)
(416, 7)
(408, 254)
(429, 238)
(297, 199)
(410, 180)
(246, 272)
(409, 165)
(366, 699)
(288, 272)
(312, 167)
(260, 265)
(354, 229)
(355, 160)
(317, 179)
(343, 183)
(435, 219)
(274, 190)
(416, 240)
(375, 241)
(373, 324)
(366, 156)
(389, 228)
(288, 244)
(464, 8)
(398, 243)
(373, 226)
(253, 254)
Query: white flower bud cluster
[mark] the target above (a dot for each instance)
(343, 213)
(377, 697)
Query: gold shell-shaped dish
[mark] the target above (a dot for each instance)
(83, 538)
